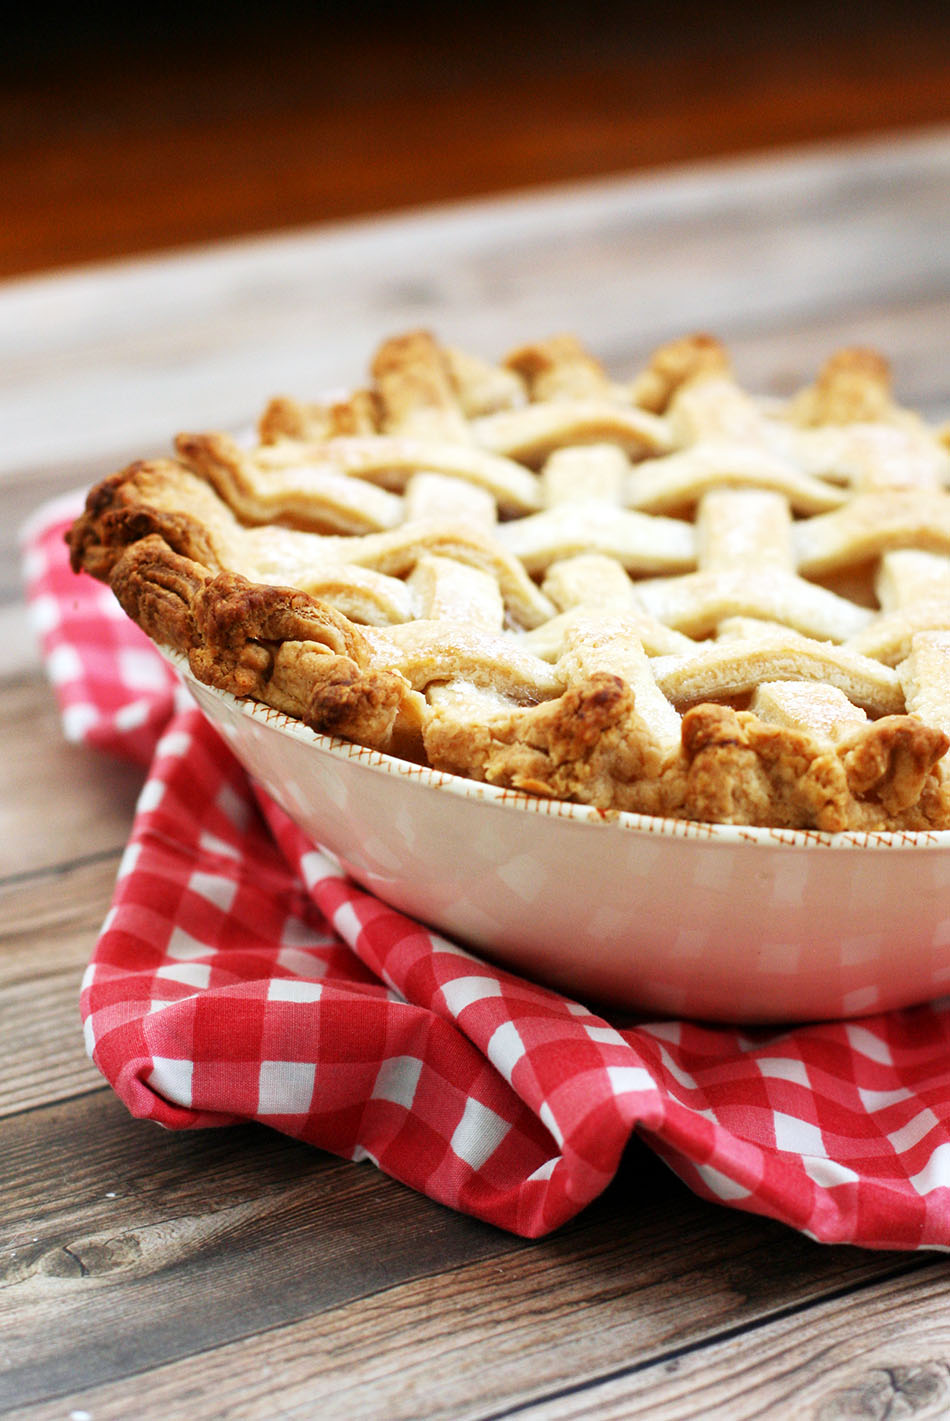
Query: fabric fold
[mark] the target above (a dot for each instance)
(241, 975)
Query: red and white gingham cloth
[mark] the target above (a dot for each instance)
(241, 976)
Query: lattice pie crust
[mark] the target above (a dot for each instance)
(663, 595)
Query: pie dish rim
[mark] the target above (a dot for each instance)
(589, 816)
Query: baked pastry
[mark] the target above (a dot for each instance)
(663, 595)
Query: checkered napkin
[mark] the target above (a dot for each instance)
(240, 975)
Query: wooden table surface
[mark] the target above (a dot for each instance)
(236, 1273)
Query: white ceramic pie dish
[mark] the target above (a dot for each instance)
(661, 916)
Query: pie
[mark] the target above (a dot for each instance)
(662, 595)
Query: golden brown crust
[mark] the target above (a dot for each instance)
(558, 368)
(676, 364)
(744, 771)
(588, 745)
(273, 644)
(853, 385)
(115, 517)
(286, 418)
(219, 554)
(415, 390)
(731, 768)
(892, 760)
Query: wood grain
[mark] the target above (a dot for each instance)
(354, 1290)
(48, 927)
(835, 1361)
(59, 803)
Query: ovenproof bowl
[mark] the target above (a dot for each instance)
(668, 917)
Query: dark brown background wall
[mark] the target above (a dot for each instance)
(177, 125)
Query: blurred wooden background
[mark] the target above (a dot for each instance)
(183, 124)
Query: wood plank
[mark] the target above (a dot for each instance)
(204, 338)
(260, 1264)
(152, 135)
(154, 1245)
(48, 927)
(882, 1353)
(58, 802)
(483, 1353)
(19, 649)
